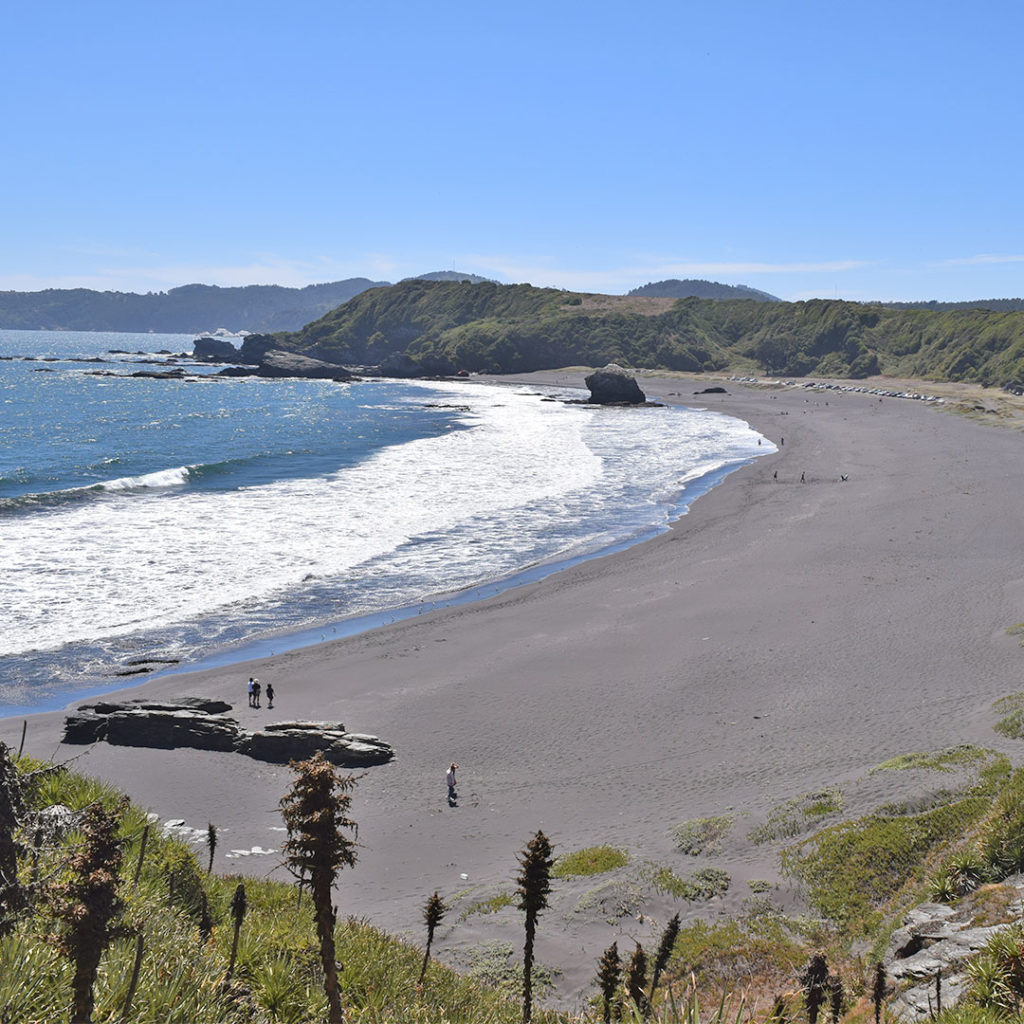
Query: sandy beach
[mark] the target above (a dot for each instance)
(782, 637)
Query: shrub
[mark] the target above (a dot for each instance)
(594, 860)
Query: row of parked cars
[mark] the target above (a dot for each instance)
(818, 385)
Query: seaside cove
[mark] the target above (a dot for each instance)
(791, 632)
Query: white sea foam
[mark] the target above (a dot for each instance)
(527, 480)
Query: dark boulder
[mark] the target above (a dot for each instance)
(297, 741)
(201, 724)
(255, 347)
(214, 350)
(613, 385)
(712, 391)
(290, 364)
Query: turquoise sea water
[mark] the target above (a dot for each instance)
(145, 522)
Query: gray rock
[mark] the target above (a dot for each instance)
(935, 939)
(289, 364)
(613, 385)
(214, 350)
(201, 724)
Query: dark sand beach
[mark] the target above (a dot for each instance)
(780, 638)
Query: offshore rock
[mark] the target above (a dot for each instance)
(200, 724)
(214, 350)
(614, 385)
(290, 364)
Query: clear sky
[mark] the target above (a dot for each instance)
(869, 150)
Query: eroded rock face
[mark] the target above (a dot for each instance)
(936, 939)
(612, 385)
(201, 724)
(289, 364)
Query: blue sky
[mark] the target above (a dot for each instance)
(866, 151)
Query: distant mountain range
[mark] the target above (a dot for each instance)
(690, 288)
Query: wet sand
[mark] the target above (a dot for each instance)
(781, 637)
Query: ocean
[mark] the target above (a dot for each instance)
(148, 525)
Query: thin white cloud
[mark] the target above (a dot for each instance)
(981, 260)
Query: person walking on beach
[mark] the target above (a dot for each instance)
(449, 777)
(270, 695)
(252, 683)
(255, 693)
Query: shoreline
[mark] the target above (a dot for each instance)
(120, 677)
(780, 637)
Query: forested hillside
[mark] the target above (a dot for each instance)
(187, 310)
(516, 328)
(676, 289)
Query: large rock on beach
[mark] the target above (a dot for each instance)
(201, 724)
(287, 741)
(613, 385)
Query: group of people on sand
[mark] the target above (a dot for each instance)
(255, 690)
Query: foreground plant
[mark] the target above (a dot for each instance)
(12, 807)
(533, 886)
(87, 905)
(609, 974)
(433, 914)
(315, 812)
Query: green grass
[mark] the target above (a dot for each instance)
(491, 905)
(594, 860)
(277, 975)
(702, 885)
(796, 815)
(1011, 708)
(854, 868)
(964, 754)
(702, 835)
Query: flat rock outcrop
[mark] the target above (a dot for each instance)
(613, 385)
(202, 724)
(936, 939)
(289, 364)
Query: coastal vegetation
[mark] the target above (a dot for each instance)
(487, 327)
(105, 917)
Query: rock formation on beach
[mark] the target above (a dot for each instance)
(612, 385)
(202, 724)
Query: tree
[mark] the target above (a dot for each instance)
(315, 812)
(665, 947)
(87, 905)
(609, 974)
(433, 914)
(533, 884)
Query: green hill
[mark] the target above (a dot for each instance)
(488, 327)
(186, 310)
(691, 288)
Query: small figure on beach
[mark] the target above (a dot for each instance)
(270, 695)
(255, 693)
(802, 479)
(775, 475)
(782, 442)
(449, 777)
(252, 683)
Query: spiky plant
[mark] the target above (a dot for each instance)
(86, 904)
(433, 914)
(661, 958)
(609, 975)
(814, 979)
(239, 905)
(636, 978)
(878, 991)
(12, 808)
(315, 813)
(533, 884)
(211, 843)
(835, 997)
